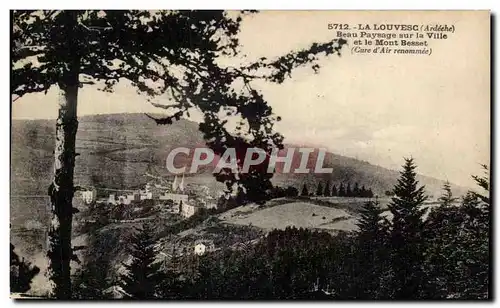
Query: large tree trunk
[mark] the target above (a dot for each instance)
(61, 189)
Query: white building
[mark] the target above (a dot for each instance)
(211, 205)
(187, 210)
(128, 199)
(112, 198)
(203, 247)
(146, 195)
(177, 198)
(123, 200)
(89, 196)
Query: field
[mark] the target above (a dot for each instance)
(297, 213)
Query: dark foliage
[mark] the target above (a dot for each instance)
(334, 191)
(143, 276)
(407, 242)
(371, 253)
(348, 191)
(279, 192)
(171, 53)
(451, 261)
(284, 265)
(342, 192)
(305, 191)
(458, 251)
(327, 192)
(21, 273)
(319, 190)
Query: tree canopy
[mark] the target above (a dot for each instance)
(172, 54)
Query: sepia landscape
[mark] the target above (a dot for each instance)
(100, 99)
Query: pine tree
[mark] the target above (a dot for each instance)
(334, 191)
(406, 236)
(369, 194)
(446, 198)
(160, 53)
(327, 192)
(348, 191)
(458, 250)
(363, 192)
(143, 276)
(241, 196)
(442, 226)
(369, 222)
(304, 192)
(92, 279)
(341, 190)
(319, 190)
(371, 253)
(356, 192)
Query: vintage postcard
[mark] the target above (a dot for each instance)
(250, 155)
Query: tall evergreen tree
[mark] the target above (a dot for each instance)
(406, 237)
(341, 190)
(459, 246)
(241, 196)
(348, 191)
(371, 253)
(305, 191)
(446, 199)
(143, 276)
(369, 194)
(169, 53)
(327, 192)
(334, 191)
(319, 190)
(363, 191)
(356, 192)
(93, 279)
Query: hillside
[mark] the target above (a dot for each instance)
(117, 150)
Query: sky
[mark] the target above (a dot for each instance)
(378, 108)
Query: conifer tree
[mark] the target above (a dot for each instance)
(143, 276)
(319, 190)
(407, 237)
(441, 229)
(341, 190)
(446, 199)
(348, 191)
(334, 191)
(369, 194)
(93, 279)
(304, 192)
(371, 252)
(363, 192)
(356, 192)
(241, 196)
(458, 250)
(327, 192)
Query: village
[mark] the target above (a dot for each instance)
(168, 197)
(175, 197)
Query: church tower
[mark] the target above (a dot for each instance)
(181, 185)
(174, 184)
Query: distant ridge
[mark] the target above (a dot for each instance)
(117, 150)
